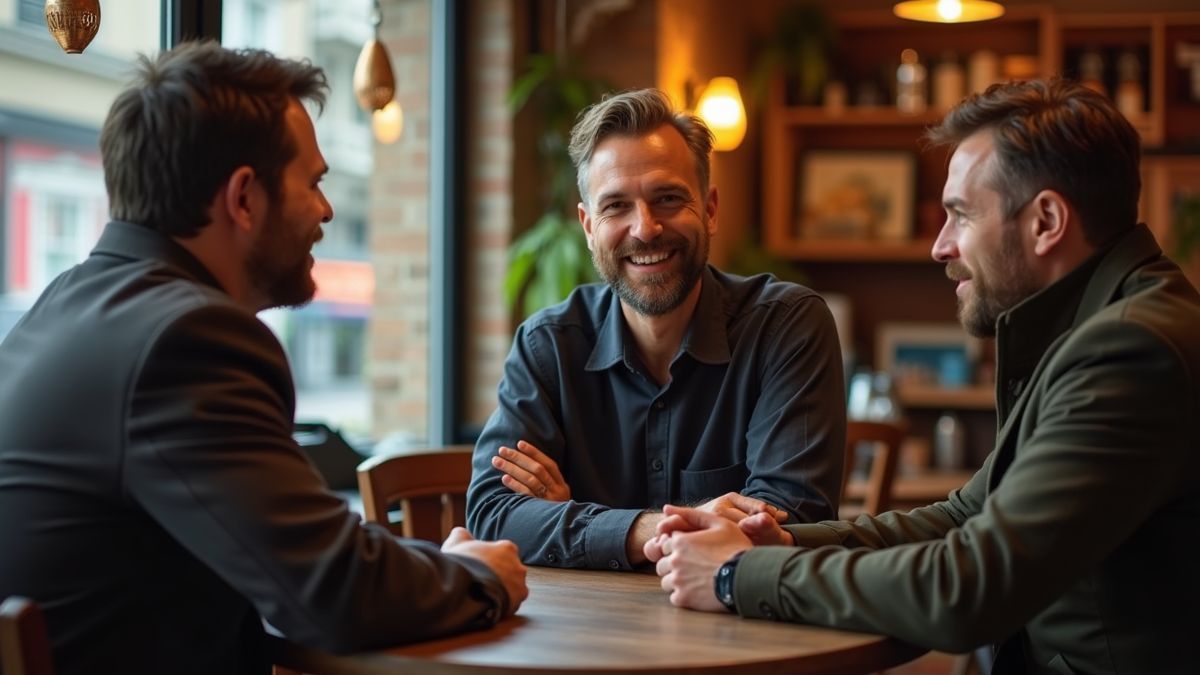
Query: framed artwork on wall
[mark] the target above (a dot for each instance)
(933, 354)
(856, 195)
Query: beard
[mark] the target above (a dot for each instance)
(996, 290)
(659, 293)
(279, 266)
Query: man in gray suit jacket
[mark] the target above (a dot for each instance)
(1070, 546)
(154, 501)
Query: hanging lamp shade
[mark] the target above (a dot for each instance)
(73, 23)
(948, 11)
(721, 108)
(374, 83)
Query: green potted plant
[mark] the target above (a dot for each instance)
(799, 48)
(1185, 224)
(551, 258)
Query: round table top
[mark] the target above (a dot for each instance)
(578, 621)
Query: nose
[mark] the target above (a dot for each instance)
(644, 226)
(945, 247)
(327, 212)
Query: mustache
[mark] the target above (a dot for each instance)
(665, 242)
(957, 271)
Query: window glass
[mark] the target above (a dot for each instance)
(52, 199)
(326, 340)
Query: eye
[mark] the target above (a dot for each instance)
(670, 199)
(614, 206)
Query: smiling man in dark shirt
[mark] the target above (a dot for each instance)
(672, 382)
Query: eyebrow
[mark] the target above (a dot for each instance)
(953, 203)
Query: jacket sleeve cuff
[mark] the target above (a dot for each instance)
(756, 584)
(604, 540)
(814, 536)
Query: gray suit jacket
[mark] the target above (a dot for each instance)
(154, 501)
(1077, 544)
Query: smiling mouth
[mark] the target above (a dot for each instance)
(650, 258)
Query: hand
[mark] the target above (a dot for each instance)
(530, 471)
(735, 507)
(500, 556)
(692, 548)
(764, 530)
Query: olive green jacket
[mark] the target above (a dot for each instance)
(1075, 545)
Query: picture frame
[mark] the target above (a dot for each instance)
(856, 195)
(927, 354)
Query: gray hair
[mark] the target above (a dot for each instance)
(636, 113)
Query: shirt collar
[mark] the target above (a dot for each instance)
(140, 242)
(1027, 330)
(705, 339)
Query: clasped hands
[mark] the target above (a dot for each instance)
(690, 544)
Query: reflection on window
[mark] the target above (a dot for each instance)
(53, 204)
(326, 340)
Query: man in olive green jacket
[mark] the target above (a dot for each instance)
(1074, 549)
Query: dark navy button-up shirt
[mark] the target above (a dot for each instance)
(755, 404)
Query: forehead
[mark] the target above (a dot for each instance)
(661, 154)
(971, 163)
(303, 135)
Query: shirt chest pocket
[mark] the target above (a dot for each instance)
(698, 486)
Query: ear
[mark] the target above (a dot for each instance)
(1049, 220)
(710, 208)
(244, 200)
(585, 219)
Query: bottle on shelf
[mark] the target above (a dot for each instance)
(983, 70)
(1130, 97)
(949, 82)
(949, 442)
(1091, 71)
(910, 83)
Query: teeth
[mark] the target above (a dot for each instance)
(649, 259)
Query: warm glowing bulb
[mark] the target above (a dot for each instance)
(388, 122)
(721, 108)
(949, 10)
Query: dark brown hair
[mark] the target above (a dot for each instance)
(636, 113)
(1055, 134)
(192, 116)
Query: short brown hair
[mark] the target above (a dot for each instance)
(636, 113)
(1055, 134)
(192, 116)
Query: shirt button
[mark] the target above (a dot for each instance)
(613, 564)
(660, 404)
(551, 557)
(766, 610)
(657, 465)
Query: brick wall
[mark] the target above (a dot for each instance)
(399, 346)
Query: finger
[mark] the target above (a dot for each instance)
(751, 505)
(732, 513)
(528, 463)
(516, 486)
(543, 459)
(517, 472)
(663, 567)
(673, 524)
(457, 536)
(694, 518)
(652, 549)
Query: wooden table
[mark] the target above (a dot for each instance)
(579, 621)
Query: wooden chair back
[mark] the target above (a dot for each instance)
(430, 486)
(24, 641)
(886, 438)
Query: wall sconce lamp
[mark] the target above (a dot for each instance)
(375, 86)
(948, 11)
(720, 106)
(73, 23)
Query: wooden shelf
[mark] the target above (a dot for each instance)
(965, 398)
(850, 250)
(875, 116)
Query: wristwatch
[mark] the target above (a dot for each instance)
(723, 582)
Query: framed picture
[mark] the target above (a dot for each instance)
(932, 354)
(853, 194)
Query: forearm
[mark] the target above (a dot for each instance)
(644, 528)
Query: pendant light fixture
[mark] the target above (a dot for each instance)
(720, 106)
(375, 85)
(948, 11)
(73, 23)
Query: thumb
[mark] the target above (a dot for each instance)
(457, 536)
(694, 518)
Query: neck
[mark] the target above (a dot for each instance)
(227, 267)
(658, 338)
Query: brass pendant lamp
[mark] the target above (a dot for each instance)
(948, 11)
(73, 23)
(374, 83)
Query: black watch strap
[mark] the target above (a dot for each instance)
(723, 582)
